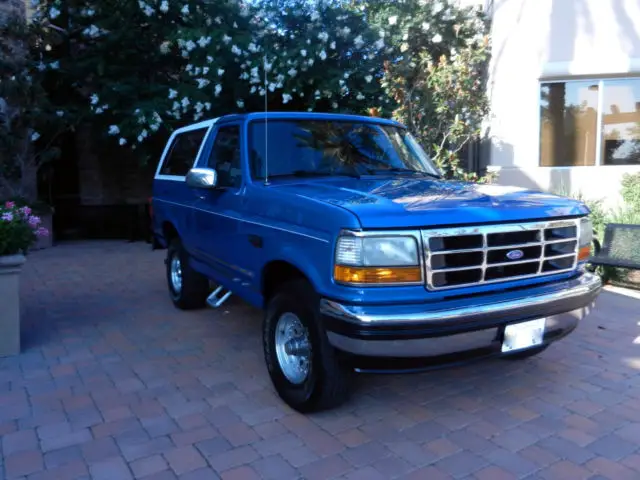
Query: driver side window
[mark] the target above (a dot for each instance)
(225, 157)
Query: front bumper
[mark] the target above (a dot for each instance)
(454, 330)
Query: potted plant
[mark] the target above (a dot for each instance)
(19, 230)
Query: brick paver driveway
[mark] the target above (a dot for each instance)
(115, 383)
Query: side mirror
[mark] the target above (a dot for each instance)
(202, 178)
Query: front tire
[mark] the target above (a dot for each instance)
(188, 289)
(303, 366)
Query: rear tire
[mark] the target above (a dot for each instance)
(188, 289)
(307, 374)
(530, 352)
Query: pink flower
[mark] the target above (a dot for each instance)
(34, 221)
(26, 211)
(7, 217)
(10, 204)
(42, 232)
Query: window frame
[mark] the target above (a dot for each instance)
(206, 157)
(600, 81)
(206, 125)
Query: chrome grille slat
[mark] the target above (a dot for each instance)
(535, 254)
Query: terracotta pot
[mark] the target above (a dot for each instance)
(10, 268)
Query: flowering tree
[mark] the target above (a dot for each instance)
(150, 65)
(25, 113)
(436, 73)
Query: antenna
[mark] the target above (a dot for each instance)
(266, 123)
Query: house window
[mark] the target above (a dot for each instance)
(587, 122)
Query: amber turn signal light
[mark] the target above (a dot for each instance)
(376, 275)
(584, 253)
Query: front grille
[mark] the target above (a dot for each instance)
(462, 257)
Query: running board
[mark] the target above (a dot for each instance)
(216, 298)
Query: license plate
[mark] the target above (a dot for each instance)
(520, 336)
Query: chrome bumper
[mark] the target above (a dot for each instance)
(414, 330)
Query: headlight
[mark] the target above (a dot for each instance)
(377, 260)
(585, 240)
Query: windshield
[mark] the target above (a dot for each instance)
(322, 147)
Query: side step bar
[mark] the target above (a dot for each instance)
(217, 297)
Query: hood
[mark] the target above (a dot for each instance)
(412, 203)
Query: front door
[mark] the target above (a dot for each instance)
(218, 211)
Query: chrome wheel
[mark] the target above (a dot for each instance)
(176, 273)
(293, 348)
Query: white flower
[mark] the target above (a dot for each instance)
(311, 61)
(334, 105)
(315, 16)
(272, 87)
(99, 110)
(437, 38)
(252, 47)
(240, 104)
(404, 47)
(286, 98)
(165, 47)
(235, 50)
(346, 75)
(60, 113)
(185, 102)
(333, 45)
(94, 99)
(218, 89)
(220, 72)
(189, 67)
(185, 10)
(323, 36)
(190, 45)
(437, 7)
(122, 141)
(114, 130)
(379, 44)
(226, 38)
(253, 89)
(360, 96)
(292, 72)
(54, 13)
(35, 136)
(148, 11)
(204, 41)
(91, 31)
(205, 70)
(172, 93)
(218, 20)
(323, 55)
(303, 52)
(346, 31)
(393, 20)
(164, 6)
(88, 12)
(368, 78)
(54, 65)
(358, 41)
(209, 59)
(202, 82)
(425, 26)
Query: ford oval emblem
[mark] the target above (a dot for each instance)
(515, 254)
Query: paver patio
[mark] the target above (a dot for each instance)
(114, 383)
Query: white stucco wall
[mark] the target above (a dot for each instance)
(536, 40)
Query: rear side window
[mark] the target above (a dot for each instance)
(183, 152)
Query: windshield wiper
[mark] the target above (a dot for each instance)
(404, 170)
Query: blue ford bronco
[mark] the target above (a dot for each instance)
(362, 256)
